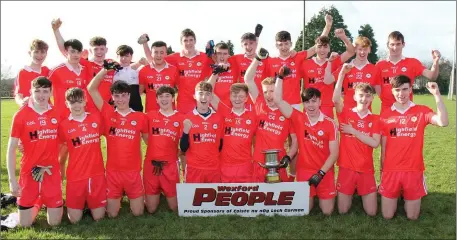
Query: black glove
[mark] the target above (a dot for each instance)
(141, 40)
(285, 72)
(38, 172)
(219, 68)
(316, 178)
(210, 49)
(111, 65)
(158, 167)
(258, 30)
(261, 54)
(285, 161)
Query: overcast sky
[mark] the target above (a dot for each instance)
(426, 25)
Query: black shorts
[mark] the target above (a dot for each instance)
(135, 98)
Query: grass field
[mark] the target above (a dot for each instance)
(437, 220)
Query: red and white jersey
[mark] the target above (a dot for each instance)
(239, 130)
(367, 73)
(204, 140)
(23, 81)
(272, 130)
(84, 148)
(405, 137)
(123, 138)
(107, 81)
(39, 135)
(242, 62)
(224, 81)
(410, 67)
(313, 76)
(191, 71)
(354, 154)
(313, 140)
(291, 84)
(64, 77)
(164, 134)
(152, 79)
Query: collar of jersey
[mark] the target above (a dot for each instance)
(182, 55)
(173, 113)
(239, 114)
(131, 110)
(361, 67)
(315, 61)
(195, 112)
(73, 70)
(153, 67)
(362, 117)
(320, 119)
(82, 120)
(410, 105)
(402, 58)
(29, 69)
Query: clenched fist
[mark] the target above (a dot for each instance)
(339, 33)
(328, 19)
(144, 38)
(56, 23)
(433, 88)
(333, 56)
(436, 55)
(346, 68)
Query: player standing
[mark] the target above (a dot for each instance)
(161, 171)
(36, 125)
(402, 162)
(124, 129)
(86, 182)
(318, 145)
(360, 133)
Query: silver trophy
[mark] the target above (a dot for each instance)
(272, 164)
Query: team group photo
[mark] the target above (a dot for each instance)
(228, 120)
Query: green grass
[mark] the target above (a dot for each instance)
(437, 218)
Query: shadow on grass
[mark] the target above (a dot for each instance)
(437, 220)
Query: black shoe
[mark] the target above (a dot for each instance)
(7, 199)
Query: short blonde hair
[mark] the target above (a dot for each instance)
(268, 81)
(362, 41)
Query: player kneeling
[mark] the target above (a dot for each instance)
(161, 171)
(86, 182)
(360, 133)
(36, 125)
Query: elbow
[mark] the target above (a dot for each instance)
(444, 123)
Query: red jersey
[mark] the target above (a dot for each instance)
(164, 134)
(191, 71)
(64, 77)
(123, 138)
(204, 140)
(291, 84)
(405, 137)
(23, 81)
(224, 81)
(313, 140)
(239, 131)
(83, 142)
(105, 84)
(313, 76)
(152, 79)
(354, 154)
(38, 133)
(410, 67)
(368, 73)
(272, 130)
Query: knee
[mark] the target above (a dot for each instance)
(412, 217)
(113, 214)
(388, 216)
(54, 222)
(371, 212)
(25, 223)
(151, 209)
(327, 212)
(98, 217)
(137, 212)
(343, 210)
(73, 220)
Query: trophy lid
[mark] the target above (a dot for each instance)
(271, 151)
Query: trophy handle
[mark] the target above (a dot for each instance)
(261, 164)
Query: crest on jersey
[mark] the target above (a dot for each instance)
(94, 125)
(133, 122)
(368, 75)
(292, 64)
(320, 133)
(282, 118)
(176, 124)
(260, 63)
(370, 124)
(414, 119)
(54, 121)
(199, 64)
(403, 69)
(248, 122)
(215, 126)
(167, 78)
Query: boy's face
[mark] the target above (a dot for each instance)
(322, 50)
(165, 100)
(222, 55)
(238, 99)
(203, 98)
(402, 93)
(268, 93)
(363, 98)
(249, 47)
(77, 107)
(395, 47)
(38, 56)
(99, 52)
(284, 47)
(159, 54)
(121, 100)
(362, 52)
(73, 55)
(125, 60)
(312, 107)
(188, 43)
(40, 95)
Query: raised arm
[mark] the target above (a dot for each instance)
(328, 25)
(143, 40)
(92, 88)
(434, 71)
(251, 71)
(56, 23)
(141, 62)
(350, 50)
(328, 76)
(337, 99)
(284, 107)
(217, 69)
(441, 116)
